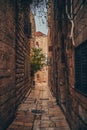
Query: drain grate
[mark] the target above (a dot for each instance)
(44, 98)
(37, 112)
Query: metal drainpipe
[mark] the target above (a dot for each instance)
(71, 20)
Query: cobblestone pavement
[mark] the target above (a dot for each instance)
(39, 112)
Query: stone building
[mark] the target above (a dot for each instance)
(33, 30)
(32, 42)
(50, 47)
(41, 42)
(67, 51)
(15, 31)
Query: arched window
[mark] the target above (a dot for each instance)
(37, 44)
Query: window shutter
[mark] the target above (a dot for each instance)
(81, 68)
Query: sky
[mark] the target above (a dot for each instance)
(40, 13)
(40, 26)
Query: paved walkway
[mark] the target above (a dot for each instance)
(39, 112)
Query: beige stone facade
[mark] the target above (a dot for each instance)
(41, 42)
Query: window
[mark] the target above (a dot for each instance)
(27, 26)
(38, 76)
(37, 44)
(50, 48)
(81, 68)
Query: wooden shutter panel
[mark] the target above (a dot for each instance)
(81, 68)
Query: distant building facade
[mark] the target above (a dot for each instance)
(41, 42)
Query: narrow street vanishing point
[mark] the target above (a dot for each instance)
(39, 112)
(43, 64)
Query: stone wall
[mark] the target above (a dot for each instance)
(23, 30)
(51, 29)
(15, 32)
(77, 101)
(72, 102)
(7, 62)
(80, 24)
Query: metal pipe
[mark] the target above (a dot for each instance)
(71, 20)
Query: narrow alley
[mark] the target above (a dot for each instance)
(43, 64)
(39, 112)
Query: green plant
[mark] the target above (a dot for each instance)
(38, 60)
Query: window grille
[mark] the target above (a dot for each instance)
(81, 68)
(27, 26)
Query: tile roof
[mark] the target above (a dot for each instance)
(39, 34)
